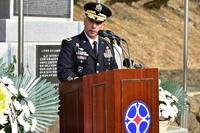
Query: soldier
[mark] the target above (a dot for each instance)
(87, 52)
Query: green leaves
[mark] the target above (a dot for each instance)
(177, 90)
(8, 71)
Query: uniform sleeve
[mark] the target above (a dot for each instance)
(65, 64)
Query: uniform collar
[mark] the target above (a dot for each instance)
(92, 40)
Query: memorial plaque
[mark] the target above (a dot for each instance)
(45, 8)
(46, 62)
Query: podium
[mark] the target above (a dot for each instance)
(98, 103)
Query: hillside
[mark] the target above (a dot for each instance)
(156, 37)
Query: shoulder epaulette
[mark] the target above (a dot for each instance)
(68, 39)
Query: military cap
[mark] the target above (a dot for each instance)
(97, 11)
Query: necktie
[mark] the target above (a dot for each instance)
(95, 48)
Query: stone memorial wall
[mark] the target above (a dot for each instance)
(45, 8)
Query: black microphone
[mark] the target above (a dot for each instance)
(104, 34)
(114, 35)
(126, 62)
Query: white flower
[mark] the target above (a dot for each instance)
(162, 97)
(26, 110)
(167, 107)
(17, 105)
(163, 111)
(13, 90)
(2, 130)
(159, 81)
(3, 119)
(174, 98)
(20, 119)
(27, 127)
(175, 109)
(171, 111)
(23, 92)
(6, 80)
(31, 107)
(33, 126)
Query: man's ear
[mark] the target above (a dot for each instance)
(84, 19)
(103, 24)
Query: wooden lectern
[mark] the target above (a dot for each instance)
(97, 103)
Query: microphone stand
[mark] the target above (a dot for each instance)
(124, 51)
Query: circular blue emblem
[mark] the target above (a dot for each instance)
(137, 118)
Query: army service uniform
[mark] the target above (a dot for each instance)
(77, 58)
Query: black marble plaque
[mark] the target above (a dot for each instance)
(45, 8)
(46, 62)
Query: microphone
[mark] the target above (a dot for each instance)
(104, 34)
(114, 35)
(109, 34)
(128, 62)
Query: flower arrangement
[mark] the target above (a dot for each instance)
(27, 104)
(172, 100)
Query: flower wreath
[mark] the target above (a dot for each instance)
(27, 104)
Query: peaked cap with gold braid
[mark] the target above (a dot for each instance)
(97, 11)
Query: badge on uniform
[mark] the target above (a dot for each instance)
(81, 59)
(108, 53)
(80, 69)
(68, 39)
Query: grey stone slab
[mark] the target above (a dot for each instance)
(39, 29)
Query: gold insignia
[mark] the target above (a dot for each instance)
(77, 44)
(68, 39)
(98, 8)
(92, 15)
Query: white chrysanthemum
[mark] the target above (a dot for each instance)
(27, 127)
(167, 93)
(2, 130)
(13, 90)
(3, 119)
(169, 100)
(26, 110)
(171, 111)
(6, 80)
(162, 97)
(163, 111)
(175, 109)
(20, 119)
(23, 92)
(31, 107)
(33, 126)
(174, 98)
(159, 82)
(160, 88)
(17, 105)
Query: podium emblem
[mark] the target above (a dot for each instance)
(137, 118)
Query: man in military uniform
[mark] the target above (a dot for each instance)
(87, 52)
